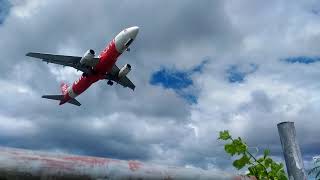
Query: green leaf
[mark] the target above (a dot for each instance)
(241, 147)
(275, 167)
(252, 171)
(260, 160)
(230, 148)
(224, 135)
(268, 162)
(240, 163)
(283, 176)
(266, 153)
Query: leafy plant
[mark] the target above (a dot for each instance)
(315, 170)
(262, 168)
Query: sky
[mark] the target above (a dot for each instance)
(198, 67)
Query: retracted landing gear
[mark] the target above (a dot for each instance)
(110, 83)
(85, 74)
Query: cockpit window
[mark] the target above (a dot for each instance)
(128, 42)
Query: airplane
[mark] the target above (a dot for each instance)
(94, 68)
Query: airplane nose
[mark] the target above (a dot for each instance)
(133, 31)
(125, 38)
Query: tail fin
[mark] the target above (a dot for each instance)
(60, 97)
(64, 88)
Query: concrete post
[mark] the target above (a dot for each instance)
(291, 151)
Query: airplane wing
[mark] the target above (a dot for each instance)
(113, 76)
(74, 61)
(71, 61)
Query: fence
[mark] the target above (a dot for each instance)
(29, 165)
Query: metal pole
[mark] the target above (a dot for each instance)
(29, 165)
(291, 151)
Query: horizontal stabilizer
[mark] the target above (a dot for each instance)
(53, 97)
(74, 102)
(60, 97)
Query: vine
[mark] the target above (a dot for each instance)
(262, 168)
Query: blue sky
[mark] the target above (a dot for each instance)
(262, 69)
(4, 10)
(178, 80)
(237, 75)
(302, 59)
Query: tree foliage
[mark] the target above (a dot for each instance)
(262, 168)
(315, 170)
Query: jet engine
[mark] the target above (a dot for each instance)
(124, 71)
(88, 58)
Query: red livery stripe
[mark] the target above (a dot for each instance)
(108, 57)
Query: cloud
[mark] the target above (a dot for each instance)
(245, 42)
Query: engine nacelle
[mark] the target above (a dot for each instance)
(88, 59)
(124, 71)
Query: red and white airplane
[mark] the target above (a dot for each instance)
(94, 68)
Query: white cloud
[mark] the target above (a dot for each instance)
(25, 9)
(152, 123)
(13, 127)
(64, 74)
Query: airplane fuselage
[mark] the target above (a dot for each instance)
(107, 60)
